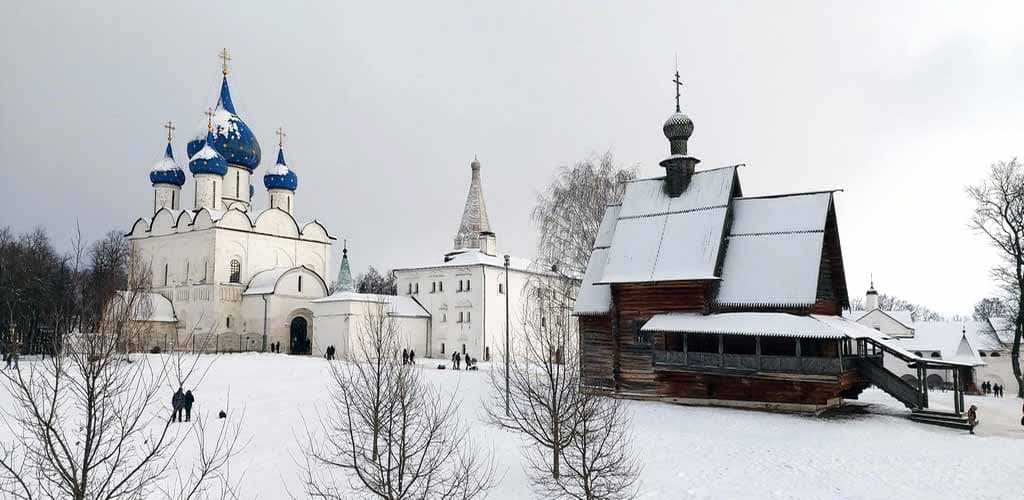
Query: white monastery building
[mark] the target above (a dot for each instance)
(981, 345)
(467, 292)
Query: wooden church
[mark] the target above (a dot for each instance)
(697, 294)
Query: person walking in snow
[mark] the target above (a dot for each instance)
(453, 361)
(187, 404)
(412, 357)
(177, 401)
(405, 356)
(458, 360)
(972, 417)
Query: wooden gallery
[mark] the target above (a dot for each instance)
(697, 294)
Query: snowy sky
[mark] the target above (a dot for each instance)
(899, 103)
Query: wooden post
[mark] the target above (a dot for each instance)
(721, 350)
(757, 350)
(686, 354)
(842, 347)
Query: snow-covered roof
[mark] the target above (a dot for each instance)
(475, 257)
(1003, 328)
(264, 282)
(953, 340)
(660, 238)
(594, 298)
(396, 305)
(904, 318)
(744, 323)
(773, 255)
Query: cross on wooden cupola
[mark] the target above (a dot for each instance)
(170, 130)
(679, 83)
(224, 58)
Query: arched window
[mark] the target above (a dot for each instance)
(236, 271)
(936, 355)
(227, 322)
(165, 274)
(300, 282)
(995, 354)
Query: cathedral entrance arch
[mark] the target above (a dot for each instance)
(299, 336)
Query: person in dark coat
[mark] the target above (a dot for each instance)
(405, 356)
(412, 357)
(187, 404)
(458, 361)
(222, 414)
(972, 417)
(177, 401)
(454, 366)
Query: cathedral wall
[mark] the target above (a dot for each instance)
(259, 252)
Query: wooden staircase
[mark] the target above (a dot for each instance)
(942, 418)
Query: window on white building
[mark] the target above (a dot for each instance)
(417, 288)
(460, 316)
(410, 289)
(501, 288)
(467, 317)
(300, 283)
(236, 271)
(460, 286)
(433, 287)
(467, 285)
(440, 286)
(165, 274)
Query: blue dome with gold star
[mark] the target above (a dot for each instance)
(280, 176)
(231, 137)
(167, 171)
(207, 160)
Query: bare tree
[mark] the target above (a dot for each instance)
(999, 215)
(989, 308)
(568, 212)
(578, 440)
(393, 436)
(88, 422)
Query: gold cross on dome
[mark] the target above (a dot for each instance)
(280, 136)
(224, 58)
(209, 119)
(170, 130)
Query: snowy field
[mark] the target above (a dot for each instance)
(687, 452)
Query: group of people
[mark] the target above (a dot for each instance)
(329, 353)
(408, 357)
(182, 401)
(275, 347)
(458, 359)
(993, 389)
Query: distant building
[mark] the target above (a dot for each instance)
(465, 292)
(974, 343)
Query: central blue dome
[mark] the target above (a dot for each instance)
(280, 176)
(232, 138)
(167, 171)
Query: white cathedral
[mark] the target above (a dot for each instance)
(225, 278)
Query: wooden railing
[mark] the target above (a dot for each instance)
(748, 362)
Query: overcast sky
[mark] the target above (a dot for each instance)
(900, 104)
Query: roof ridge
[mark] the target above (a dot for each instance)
(786, 195)
(672, 212)
(772, 233)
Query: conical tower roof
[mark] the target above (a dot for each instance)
(474, 215)
(344, 283)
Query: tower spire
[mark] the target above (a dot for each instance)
(475, 227)
(344, 283)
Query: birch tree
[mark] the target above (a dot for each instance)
(389, 433)
(578, 443)
(89, 423)
(999, 216)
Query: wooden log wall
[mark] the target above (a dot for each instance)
(698, 385)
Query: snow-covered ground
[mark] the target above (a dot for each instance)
(687, 452)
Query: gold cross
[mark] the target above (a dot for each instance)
(224, 58)
(209, 119)
(170, 130)
(280, 136)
